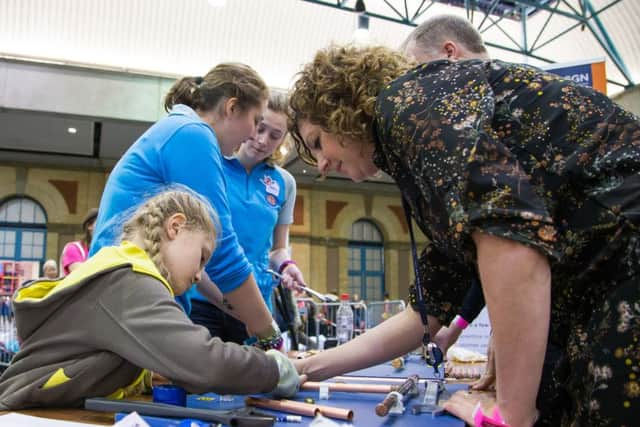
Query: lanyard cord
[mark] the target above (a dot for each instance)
(432, 354)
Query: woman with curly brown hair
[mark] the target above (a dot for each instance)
(519, 179)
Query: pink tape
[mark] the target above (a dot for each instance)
(460, 322)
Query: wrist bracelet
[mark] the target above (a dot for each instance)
(272, 341)
(284, 265)
(460, 322)
(481, 420)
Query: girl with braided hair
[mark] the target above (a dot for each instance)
(98, 330)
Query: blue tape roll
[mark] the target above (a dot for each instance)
(170, 394)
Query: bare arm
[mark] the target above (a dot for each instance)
(516, 281)
(280, 248)
(213, 294)
(246, 304)
(292, 276)
(394, 337)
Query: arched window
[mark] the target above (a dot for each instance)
(23, 240)
(366, 261)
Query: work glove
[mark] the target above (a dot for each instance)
(289, 381)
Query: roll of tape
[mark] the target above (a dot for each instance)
(170, 394)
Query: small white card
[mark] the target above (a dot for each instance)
(132, 420)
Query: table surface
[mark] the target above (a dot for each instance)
(362, 404)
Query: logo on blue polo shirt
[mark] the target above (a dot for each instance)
(271, 185)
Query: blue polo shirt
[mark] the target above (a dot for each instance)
(179, 149)
(258, 201)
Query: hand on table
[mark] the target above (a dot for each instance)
(488, 380)
(289, 381)
(463, 403)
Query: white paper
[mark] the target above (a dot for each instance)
(132, 420)
(20, 420)
(476, 336)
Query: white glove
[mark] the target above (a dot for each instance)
(289, 381)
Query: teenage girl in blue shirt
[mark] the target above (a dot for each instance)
(261, 198)
(208, 117)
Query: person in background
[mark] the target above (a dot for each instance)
(76, 252)
(520, 179)
(256, 184)
(50, 269)
(97, 332)
(208, 117)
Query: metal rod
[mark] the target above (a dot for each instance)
(307, 289)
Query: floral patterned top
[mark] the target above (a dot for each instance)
(518, 153)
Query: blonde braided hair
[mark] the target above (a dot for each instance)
(148, 221)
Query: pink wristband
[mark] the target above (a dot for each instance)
(481, 420)
(460, 322)
(284, 265)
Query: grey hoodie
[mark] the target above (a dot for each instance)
(91, 334)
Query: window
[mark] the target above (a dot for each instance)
(23, 240)
(366, 261)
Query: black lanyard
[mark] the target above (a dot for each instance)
(430, 350)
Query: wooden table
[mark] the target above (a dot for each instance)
(77, 415)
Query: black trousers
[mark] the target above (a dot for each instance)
(219, 323)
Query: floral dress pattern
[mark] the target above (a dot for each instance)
(522, 154)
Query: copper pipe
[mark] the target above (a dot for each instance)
(350, 387)
(382, 408)
(293, 407)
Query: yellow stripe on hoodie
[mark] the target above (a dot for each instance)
(106, 259)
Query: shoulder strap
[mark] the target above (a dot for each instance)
(432, 354)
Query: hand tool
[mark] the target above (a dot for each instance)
(243, 417)
(430, 402)
(307, 289)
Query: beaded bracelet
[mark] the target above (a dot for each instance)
(284, 265)
(273, 341)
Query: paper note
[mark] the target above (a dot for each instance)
(132, 420)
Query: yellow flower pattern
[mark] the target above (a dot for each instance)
(522, 154)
